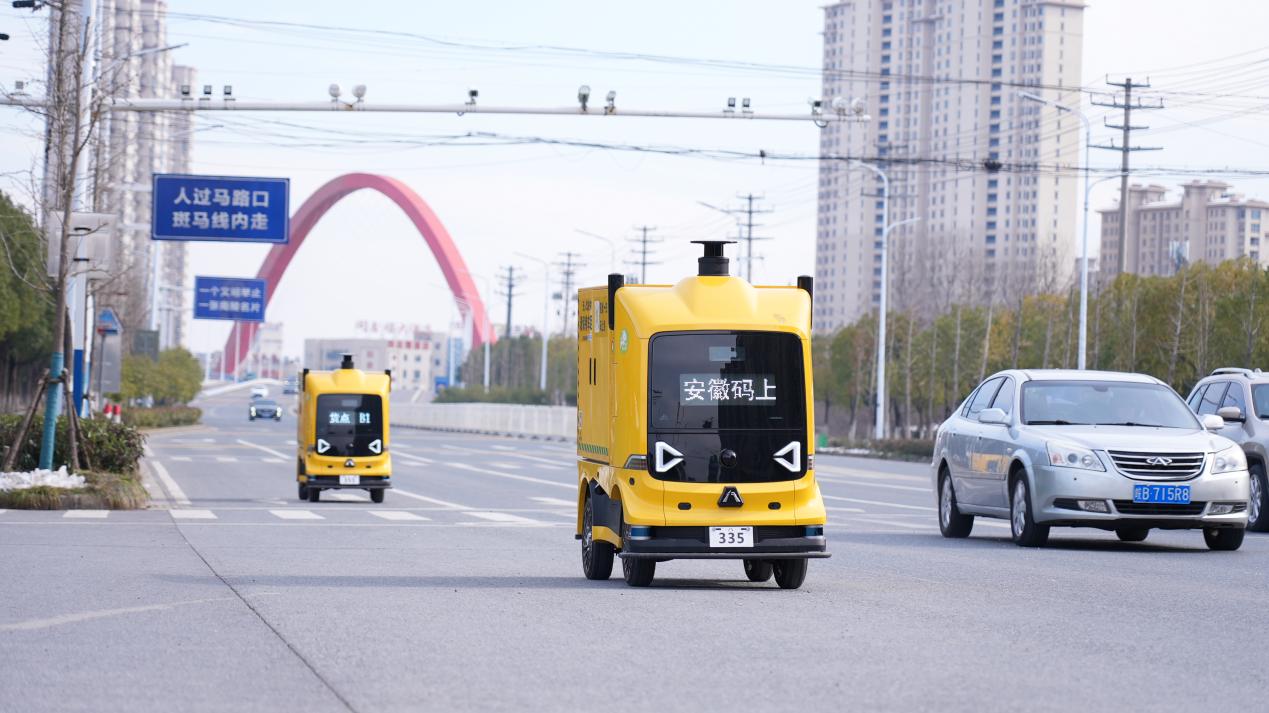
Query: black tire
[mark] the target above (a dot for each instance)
(1258, 504)
(789, 574)
(303, 491)
(251, 418)
(1132, 534)
(1022, 524)
(376, 495)
(596, 554)
(758, 570)
(1224, 539)
(638, 571)
(314, 495)
(952, 523)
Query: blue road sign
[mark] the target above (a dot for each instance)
(234, 298)
(223, 208)
(107, 322)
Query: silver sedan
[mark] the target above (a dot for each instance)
(1115, 451)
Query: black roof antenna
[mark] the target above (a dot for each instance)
(713, 263)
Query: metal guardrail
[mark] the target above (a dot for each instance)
(550, 422)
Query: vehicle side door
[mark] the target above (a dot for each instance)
(1235, 396)
(972, 487)
(995, 447)
(1212, 398)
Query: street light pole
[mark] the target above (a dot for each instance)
(612, 247)
(1088, 187)
(879, 425)
(546, 315)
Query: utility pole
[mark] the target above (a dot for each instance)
(509, 291)
(642, 250)
(1125, 149)
(568, 269)
(749, 236)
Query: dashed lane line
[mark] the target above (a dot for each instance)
(346, 497)
(296, 515)
(181, 459)
(273, 460)
(513, 476)
(396, 515)
(192, 514)
(501, 517)
(86, 514)
(266, 449)
(557, 501)
(226, 459)
(426, 499)
(866, 484)
(894, 523)
(879, 502)
(169, 484)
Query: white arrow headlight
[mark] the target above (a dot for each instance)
(790, 457)
(662, 450)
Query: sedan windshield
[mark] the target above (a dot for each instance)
(1103, 403)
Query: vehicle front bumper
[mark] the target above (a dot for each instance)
(331, 482)
(1056, 491)
(770, 542)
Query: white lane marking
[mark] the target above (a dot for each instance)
(396, 450)
(556, 501)
(178, 495)
(982, 520)
(500, 517)
(502, 448)
(226, 459)
(192, 514)
(513, 476)
(879, 474)
(87, 514)
(266, 449)
(426, 499)
(878, 502)
(398, 515)
(346, 497)
(893, 523)
(845, 509)
(290, 442)
(181, 459)
(296, 515)
(508, 466)
(858, 483)
(272, 460)
(35, 624)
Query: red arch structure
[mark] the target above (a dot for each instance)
(429, 226)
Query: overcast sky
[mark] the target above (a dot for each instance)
(365, 261)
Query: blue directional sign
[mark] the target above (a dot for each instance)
(223, 208)
(234, 298)
(107, 322)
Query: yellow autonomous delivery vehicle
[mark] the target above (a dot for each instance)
(342, 437)
(694, 423)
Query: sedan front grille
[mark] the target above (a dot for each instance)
(1157, 466)
(1128, 507)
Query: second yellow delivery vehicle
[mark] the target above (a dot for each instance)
(694, 423)
(342, 431)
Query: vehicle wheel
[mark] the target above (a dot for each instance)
(758, 570)
(789, 574)
(251, 418)
(303, 491)
(314, 494)
(1258, 503)
(1026, 533)
(1132, 534)
(1223, 539)
(596, 554)
(638, 571)
(376, 496)
(951, 522)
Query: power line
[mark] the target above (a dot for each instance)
(1125, 150)
(568, 268)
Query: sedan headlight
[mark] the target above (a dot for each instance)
(1066, 455)
(1230, 460)
(253, 410)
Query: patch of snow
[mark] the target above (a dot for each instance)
(53, 478)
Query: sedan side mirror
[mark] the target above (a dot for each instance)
(1231, 413)
(1212, 422)
(993, 416)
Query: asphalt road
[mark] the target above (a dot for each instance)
(463, 591)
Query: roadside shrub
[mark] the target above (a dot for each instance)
(111, 447)
(495, 395)
(161, 416)
(105, 491)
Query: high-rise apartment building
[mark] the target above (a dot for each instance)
(988, 176)
(132, 147)
(1206, 224)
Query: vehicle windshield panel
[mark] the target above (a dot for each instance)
(727, 380)
(264, 403)
(1104, 403)
(349, 423)
(1260, 399)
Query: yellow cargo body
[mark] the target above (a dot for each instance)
(694, 423)
(342, 432)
